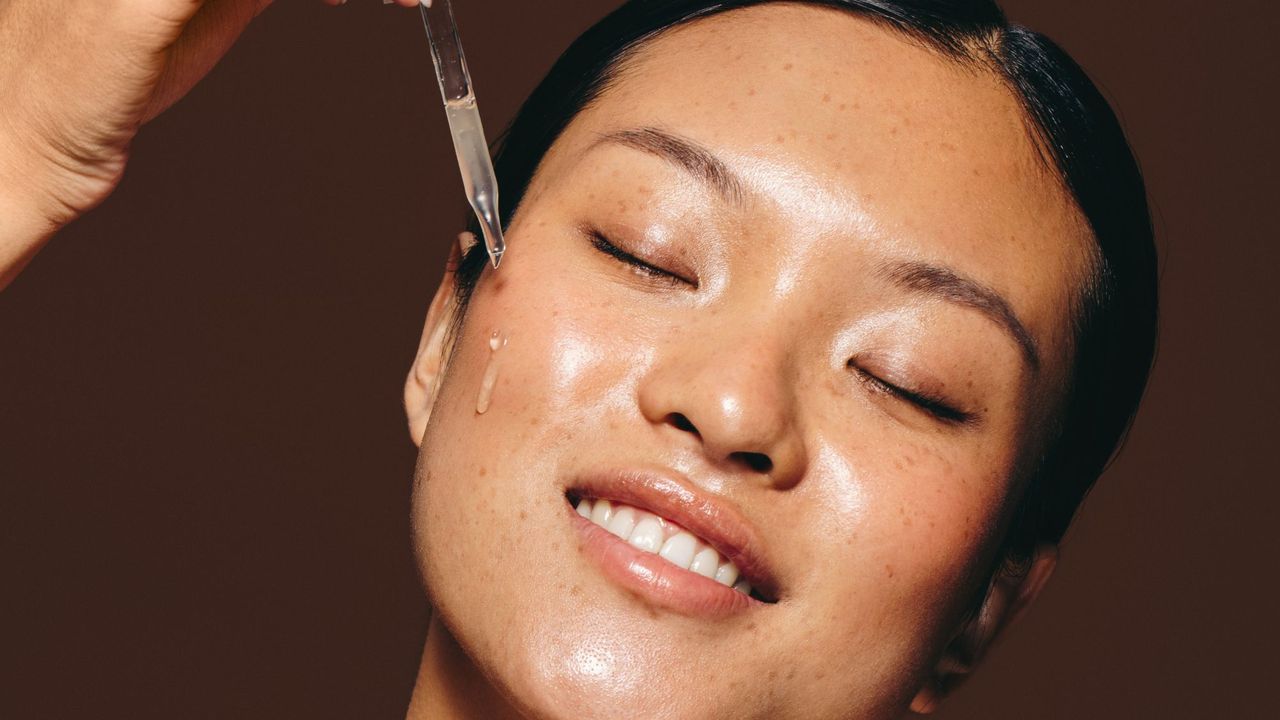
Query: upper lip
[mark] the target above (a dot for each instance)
(673, 497)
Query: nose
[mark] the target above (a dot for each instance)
(736, 401)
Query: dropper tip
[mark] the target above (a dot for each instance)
(495, 257)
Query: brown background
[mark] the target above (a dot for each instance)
(204, 470)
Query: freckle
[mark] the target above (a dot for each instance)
(826, 97)
(555, 547)
(575, 590)
(831, 136)
(773, 674)
(842, 106)
(893, 130)
(751, 625)
(791, 674)
(819, 675)
(733, 105)
(751, 91)
(524, 515)
(483, 471)
(779, 139)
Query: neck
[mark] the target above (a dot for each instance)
(450, 686)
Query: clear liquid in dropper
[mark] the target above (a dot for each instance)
(477, 170)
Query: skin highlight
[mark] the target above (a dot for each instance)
(760, 315)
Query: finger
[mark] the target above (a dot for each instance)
(207, 36)
(173, 14)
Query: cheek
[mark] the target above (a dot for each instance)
(568, 362)
(907, 525)
(928, 523)
(563, 373)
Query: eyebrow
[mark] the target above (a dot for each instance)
(916, 277)
(945, 284)
(683, 153)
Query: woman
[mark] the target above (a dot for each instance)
(817, 322)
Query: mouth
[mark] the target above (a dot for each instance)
(662, 540)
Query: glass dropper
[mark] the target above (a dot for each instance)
(464, 123)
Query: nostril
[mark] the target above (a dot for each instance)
(758, 462)
(682, 422)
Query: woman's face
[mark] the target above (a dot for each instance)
(796, 287)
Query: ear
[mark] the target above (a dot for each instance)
(423, 383)
(1010, 594)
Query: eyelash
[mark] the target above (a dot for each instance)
(649, 270)
(931, 405)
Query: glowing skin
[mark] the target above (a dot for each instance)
(751, 387)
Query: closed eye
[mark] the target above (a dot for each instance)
(939, 409)
(642, 267)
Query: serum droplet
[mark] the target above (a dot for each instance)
(497, 341)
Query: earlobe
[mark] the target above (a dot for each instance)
(423, 383)
(1009, 595)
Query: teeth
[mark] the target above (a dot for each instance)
(601, 512)
(679, 549)
(647, 536)
(727, 573)
(705, 563)
(652, 534)
(623, 522)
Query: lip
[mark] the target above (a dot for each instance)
(650, 576)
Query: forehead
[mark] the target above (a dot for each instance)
(848, 126)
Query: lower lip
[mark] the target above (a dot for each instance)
(655, 580)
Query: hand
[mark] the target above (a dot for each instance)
(77, 80)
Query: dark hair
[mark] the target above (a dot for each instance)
(1116, 313)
